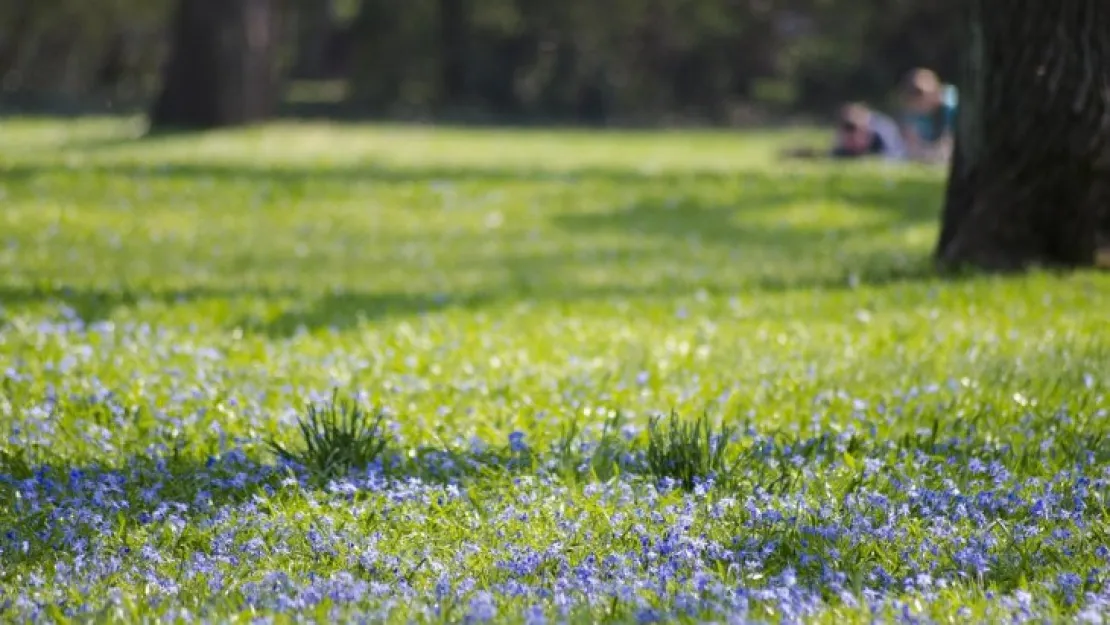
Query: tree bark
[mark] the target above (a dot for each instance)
(223, 65)
(1029, 182)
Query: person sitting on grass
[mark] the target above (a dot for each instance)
(929, 116)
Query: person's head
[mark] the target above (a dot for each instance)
(854, 126)
(921, 91)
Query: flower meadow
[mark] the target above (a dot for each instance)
(304, 373)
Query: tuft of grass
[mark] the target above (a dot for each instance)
(338, 436)
(578, 459)
(689, 452)
(16, 463)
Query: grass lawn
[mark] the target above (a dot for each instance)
(517, 308)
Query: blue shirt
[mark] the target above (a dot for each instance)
(932, 126)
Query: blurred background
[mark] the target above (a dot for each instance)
(521, 62)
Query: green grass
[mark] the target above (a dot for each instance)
(475, 283)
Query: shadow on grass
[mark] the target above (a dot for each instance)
(746, 217)
(92, 304)
(675, 221)
(346, 310)
(142, 490)
(342, 311)
(846, 186)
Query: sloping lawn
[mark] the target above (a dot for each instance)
(483, 327)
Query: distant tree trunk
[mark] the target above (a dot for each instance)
(315, 27)
(1029, 182)
(377, 72)
(21, 17)
(453, 26)
(223, 65)
(110, 71)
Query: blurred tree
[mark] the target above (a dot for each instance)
(395, 58)
(1030, 179)
(454, 23)
(223, 66)
(52, 50)
(17, 15)
(315, 27)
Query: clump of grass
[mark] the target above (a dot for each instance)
(16, 463)
(688, 452)
(600, 460)
(337, 436)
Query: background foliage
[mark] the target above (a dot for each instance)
(622, 61)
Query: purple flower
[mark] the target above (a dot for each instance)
(482, 608)
(516, 442)
(535, 615)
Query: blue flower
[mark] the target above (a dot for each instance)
(482, 608)
(1068, 583)
(535, 615)
(516, 442)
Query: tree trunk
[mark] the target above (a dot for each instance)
(378, 61)
(315, 27)
(453, 18)
(22, 17)
(1029, 182)
(223, 65)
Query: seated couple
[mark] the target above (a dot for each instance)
(925, 134)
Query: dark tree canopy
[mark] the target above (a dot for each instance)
(1029, 183)
(651, 62)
